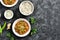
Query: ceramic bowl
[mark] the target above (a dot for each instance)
(13, 26)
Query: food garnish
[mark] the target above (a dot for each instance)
(8, 26)
(33, 31)
(10, 36)
(32, 20)
(2, 28)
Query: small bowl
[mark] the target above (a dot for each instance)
(32, 6)
(8, 5)
(13, 26)
(5, 13)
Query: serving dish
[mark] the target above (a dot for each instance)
(8, 14)
(14, 31)
(26, 8)
(8, 5)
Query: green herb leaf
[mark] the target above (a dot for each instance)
(33, 31)
(32, 20)
(12, 38)
(0, 30)
(3, 27)
(8, 35)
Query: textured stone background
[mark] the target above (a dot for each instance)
(47, 14)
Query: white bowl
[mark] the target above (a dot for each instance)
(21, 9)
(8, 5)
(6, 13)
(16, 32)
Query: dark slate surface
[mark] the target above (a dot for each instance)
(47, 14)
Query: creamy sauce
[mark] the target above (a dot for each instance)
(8, 14)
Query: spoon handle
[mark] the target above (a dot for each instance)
(0, 15)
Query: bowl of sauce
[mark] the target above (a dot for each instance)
(21, 27)
(9, 3)
(8, 14)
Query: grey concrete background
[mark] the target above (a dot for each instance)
(47, 14)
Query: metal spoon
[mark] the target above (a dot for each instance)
(0, 15)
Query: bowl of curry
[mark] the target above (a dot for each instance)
(21, 27)
(9, 3)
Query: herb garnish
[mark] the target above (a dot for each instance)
(33, 31)
(2, 28)
(32, 20)
(10, 36)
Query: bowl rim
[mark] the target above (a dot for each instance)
(31, 5)
(16, 32)
(8, 5)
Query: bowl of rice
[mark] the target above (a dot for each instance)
(26, 8)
